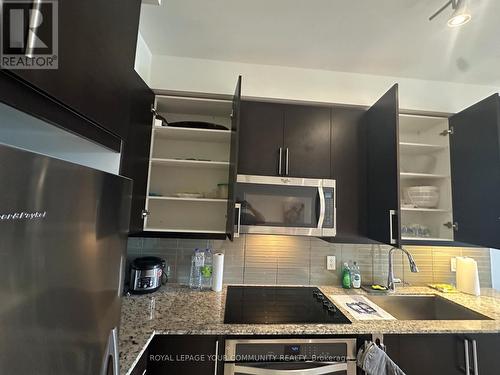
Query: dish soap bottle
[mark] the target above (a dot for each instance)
(346, 276)
(355, 276)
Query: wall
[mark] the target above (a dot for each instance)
(259, 259)
(143, 59)
(495, 268)
(219, 77)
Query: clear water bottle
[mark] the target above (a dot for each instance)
(206, 270)
(197, 262)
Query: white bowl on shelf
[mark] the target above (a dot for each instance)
(423, 196)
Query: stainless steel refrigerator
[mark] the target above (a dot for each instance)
(63, 235)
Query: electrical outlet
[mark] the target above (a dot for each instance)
(331, 264)
(453, 264)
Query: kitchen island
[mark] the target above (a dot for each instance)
(175, 309)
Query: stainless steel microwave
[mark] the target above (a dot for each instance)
(285, 205)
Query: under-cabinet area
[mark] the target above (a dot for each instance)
(188, 169)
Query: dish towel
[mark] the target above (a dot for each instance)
(374, 361)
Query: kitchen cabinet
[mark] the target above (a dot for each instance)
(135, 155)
(186, 354)
(97, 41)
(444, 354)
(189, 165)
(450, 163)
(261, 137)
(285, 140)
(475, 172)
(383, 198)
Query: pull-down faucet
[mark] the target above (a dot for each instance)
(391, 286)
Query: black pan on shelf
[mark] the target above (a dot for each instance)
(192, 124)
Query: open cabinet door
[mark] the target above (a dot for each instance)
(135, 154)
(233, 161)
(383, 200)
(475, 173)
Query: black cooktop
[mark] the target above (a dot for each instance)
(280, 305)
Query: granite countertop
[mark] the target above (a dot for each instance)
(176, 309)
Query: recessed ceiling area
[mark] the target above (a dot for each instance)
(383, 37)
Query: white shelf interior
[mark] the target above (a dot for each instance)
(186, 216)
(188, 160)
(425, 161)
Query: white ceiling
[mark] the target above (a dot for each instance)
(381, 37)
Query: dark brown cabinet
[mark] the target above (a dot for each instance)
(260, 138)
(307, 141)
(97, 42)
(184, 355)
(444, 354)
(382, 147)
(285, 140)
(475, 173)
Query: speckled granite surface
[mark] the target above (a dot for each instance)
(176, 309)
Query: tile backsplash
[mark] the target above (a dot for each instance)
(284, 260)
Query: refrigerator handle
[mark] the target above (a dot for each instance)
(111, 354)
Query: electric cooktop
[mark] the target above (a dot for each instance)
(280, 305)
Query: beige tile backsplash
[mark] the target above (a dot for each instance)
(284, 260)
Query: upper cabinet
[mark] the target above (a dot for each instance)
(431, 179)
(475, 171)
(285, 140)
(383, 198)
(97, 41)
(191, 168)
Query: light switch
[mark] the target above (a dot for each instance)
(331, 264)
(453, 264)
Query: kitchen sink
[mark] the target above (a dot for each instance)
(424, 307)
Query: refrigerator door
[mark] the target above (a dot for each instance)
(63, 234)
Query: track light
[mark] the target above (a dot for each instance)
(460, 15)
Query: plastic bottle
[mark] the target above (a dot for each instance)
(207, 270)
(346, 277)
(197, 262)
(355, 276)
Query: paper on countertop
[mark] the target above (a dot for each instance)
(361, 308)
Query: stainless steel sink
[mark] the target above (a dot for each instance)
(424, 307)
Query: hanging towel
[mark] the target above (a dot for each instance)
(374, 361)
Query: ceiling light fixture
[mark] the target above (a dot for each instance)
(460, 15)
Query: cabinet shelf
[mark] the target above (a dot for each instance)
(208, 200)
(406, 175)
(410, 148)
(190, 163)
(190, 134)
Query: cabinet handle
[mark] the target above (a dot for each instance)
(474, 357)
(467, 359)
(144, 372)
(216, 356)
(287, 164)
(392, 213)
(279, 161)
(237, 206)
(144, 214)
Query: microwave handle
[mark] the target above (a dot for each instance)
(237, 206)
(322, 206)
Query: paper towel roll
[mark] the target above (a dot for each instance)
(218, 272)
(467, 276)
